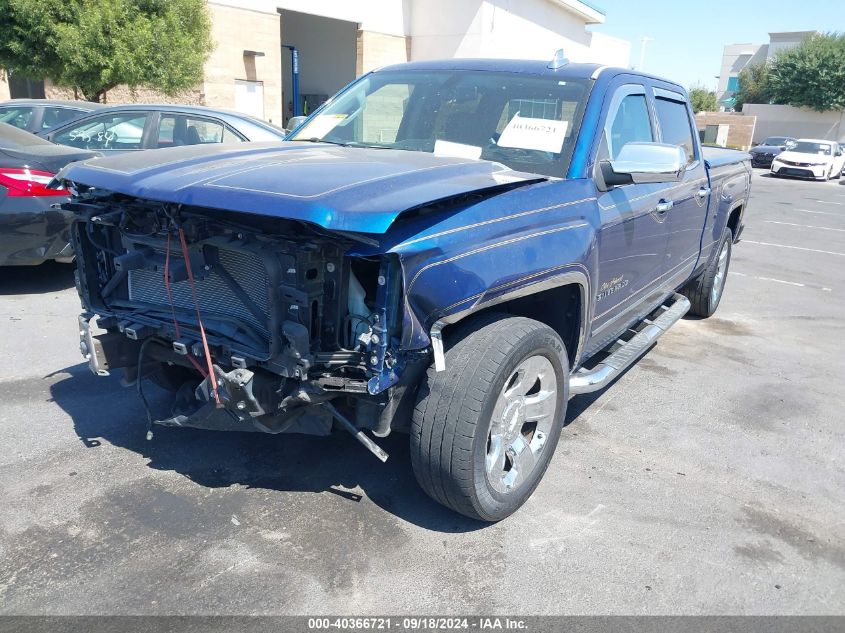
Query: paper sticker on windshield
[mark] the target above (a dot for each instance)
(545, 135)
(458, 150)
(320, 126)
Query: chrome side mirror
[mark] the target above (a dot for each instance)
(641, 163)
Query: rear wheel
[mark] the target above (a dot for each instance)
(705, 291)
(485, 429)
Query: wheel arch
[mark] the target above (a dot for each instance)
(735, 218)
(542, 302)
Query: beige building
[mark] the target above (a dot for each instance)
(250, 69)
(735, 57)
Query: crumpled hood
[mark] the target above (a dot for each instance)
(802, 157)
(340, 188)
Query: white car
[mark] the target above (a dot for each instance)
(810, 158)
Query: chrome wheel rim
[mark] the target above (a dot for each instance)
(721, 273)
(522, 420)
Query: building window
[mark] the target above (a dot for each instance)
(733, 84)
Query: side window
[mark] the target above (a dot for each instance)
(178, 129)
(54, 116)
(19, 117)
(675, 127)
(628, 124)
(122, 131)
(230, 136)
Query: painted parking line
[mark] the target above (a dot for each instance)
(806, 226)
(797, 248)
(837, 215)
(782, 281)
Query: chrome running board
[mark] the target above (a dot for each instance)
(624, 353)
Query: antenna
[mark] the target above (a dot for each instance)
(558, 60)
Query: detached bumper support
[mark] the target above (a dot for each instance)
(371, 446)
(91, 348)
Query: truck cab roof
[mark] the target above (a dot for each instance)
(525, 66)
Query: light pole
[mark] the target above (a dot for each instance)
(643, 42)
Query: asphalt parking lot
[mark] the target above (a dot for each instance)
(708, 479)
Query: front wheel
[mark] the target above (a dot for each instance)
(485, 429)
(705, 291)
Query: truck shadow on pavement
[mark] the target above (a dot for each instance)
(42, 279)
(103, 412)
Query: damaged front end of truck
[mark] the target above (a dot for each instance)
(255, 324)
(265, 286)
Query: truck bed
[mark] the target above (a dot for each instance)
(719, 156)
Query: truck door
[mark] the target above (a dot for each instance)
(689, 198)
(632, 237)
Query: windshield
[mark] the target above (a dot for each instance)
(776, 140)
(526, 122)
(808, 147)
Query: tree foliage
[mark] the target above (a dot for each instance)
(754, 85)
(95, 45)
(702, 99)
(810, 75)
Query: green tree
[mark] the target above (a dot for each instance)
(754, 85)
(95, 45)
(812, 74)
(702, 99)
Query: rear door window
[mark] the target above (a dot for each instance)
(123, 131)
(675, 127)
(175, 130)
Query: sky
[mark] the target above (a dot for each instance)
(688, 36)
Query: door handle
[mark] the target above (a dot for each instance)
(663, 206)
(702, 193)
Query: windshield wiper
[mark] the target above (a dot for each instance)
(314, 139)
(354, 144)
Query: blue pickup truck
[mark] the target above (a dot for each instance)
(448, 249)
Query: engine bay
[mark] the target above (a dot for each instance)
(257, 318)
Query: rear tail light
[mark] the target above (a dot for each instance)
(28, 182)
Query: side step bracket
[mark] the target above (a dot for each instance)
(626, 352)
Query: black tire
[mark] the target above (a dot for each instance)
(452, 419)
(702, 292)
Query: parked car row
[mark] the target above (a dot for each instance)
(817, 159)
(39, 136)
(36, 115)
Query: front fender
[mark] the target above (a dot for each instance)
(513, 245)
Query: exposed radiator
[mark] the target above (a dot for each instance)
(216, 298)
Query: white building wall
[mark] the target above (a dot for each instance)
(446, 28)
(783, 120)
(781, 41)
(527, 29)
(608, 50)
